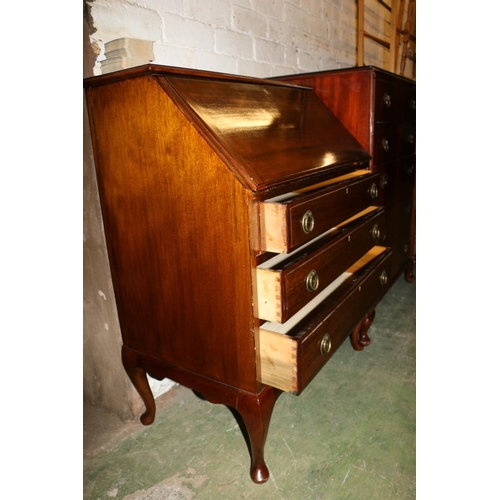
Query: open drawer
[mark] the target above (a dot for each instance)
(292, 353)
(287, 282)
(293, 219)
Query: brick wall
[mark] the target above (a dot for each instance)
(248, 37)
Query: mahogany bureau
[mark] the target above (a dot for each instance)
(246, 233)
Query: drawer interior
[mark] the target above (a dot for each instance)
(291, 353)
(296, 218)
(287, 282)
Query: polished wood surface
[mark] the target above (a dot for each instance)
(158, 182)
(268, 134)
(290, 361)
(282, 287)
(359, 336)
(188, 162)
(282, 221)
(379, 109)
(380, 105)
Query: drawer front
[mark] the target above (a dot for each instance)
(406, 138)
(394, 177)
(387, 101)
(395, 101)
(386, 146)
(393, 141)
(409, 103)
(290, 361)
(289, 285)
(288, 225)
(395, 108)
(407, 172)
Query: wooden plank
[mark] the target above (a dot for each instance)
(392, 47)
(278, 361)
(361, 32)
(269, 295)
(273, 227)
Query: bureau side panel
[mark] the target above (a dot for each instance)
(176, 221)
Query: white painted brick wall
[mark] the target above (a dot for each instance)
(232, 43)
(251, 37)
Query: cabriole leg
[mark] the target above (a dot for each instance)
(138, 378)
(256, 412)
(410, 270)
(359, 337)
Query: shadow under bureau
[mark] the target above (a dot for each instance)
(246, 234)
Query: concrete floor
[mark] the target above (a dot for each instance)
(349, 435)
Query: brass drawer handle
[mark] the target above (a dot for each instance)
(384, 180)
(373, 191)
(312, 281)
(413, 104)
(387, 100)
(326, 345)
(411, 139)
(385, 144)
(307, 222)
(383, 278)
(375, 232)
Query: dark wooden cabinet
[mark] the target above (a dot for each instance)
(247, 234)
(379, 109)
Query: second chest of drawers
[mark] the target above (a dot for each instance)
(379, 109)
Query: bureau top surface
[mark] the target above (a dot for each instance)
(373, 70)
(269, 133)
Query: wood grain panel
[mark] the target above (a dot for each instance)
(158, 182)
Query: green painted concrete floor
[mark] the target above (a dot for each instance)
(349, 435)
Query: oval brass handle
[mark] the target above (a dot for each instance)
(385, 144)
(326, 344)
(387, 100)
(312, 281)
(375, 232)
(373, 191)
(307, 222)
(383, 278)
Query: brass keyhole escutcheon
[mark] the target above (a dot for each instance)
(383, 278)
(385, 144)
(326, 344)
(375, 232)
(312, 281)
(307, 222)
(373, 191)
(387, 100)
